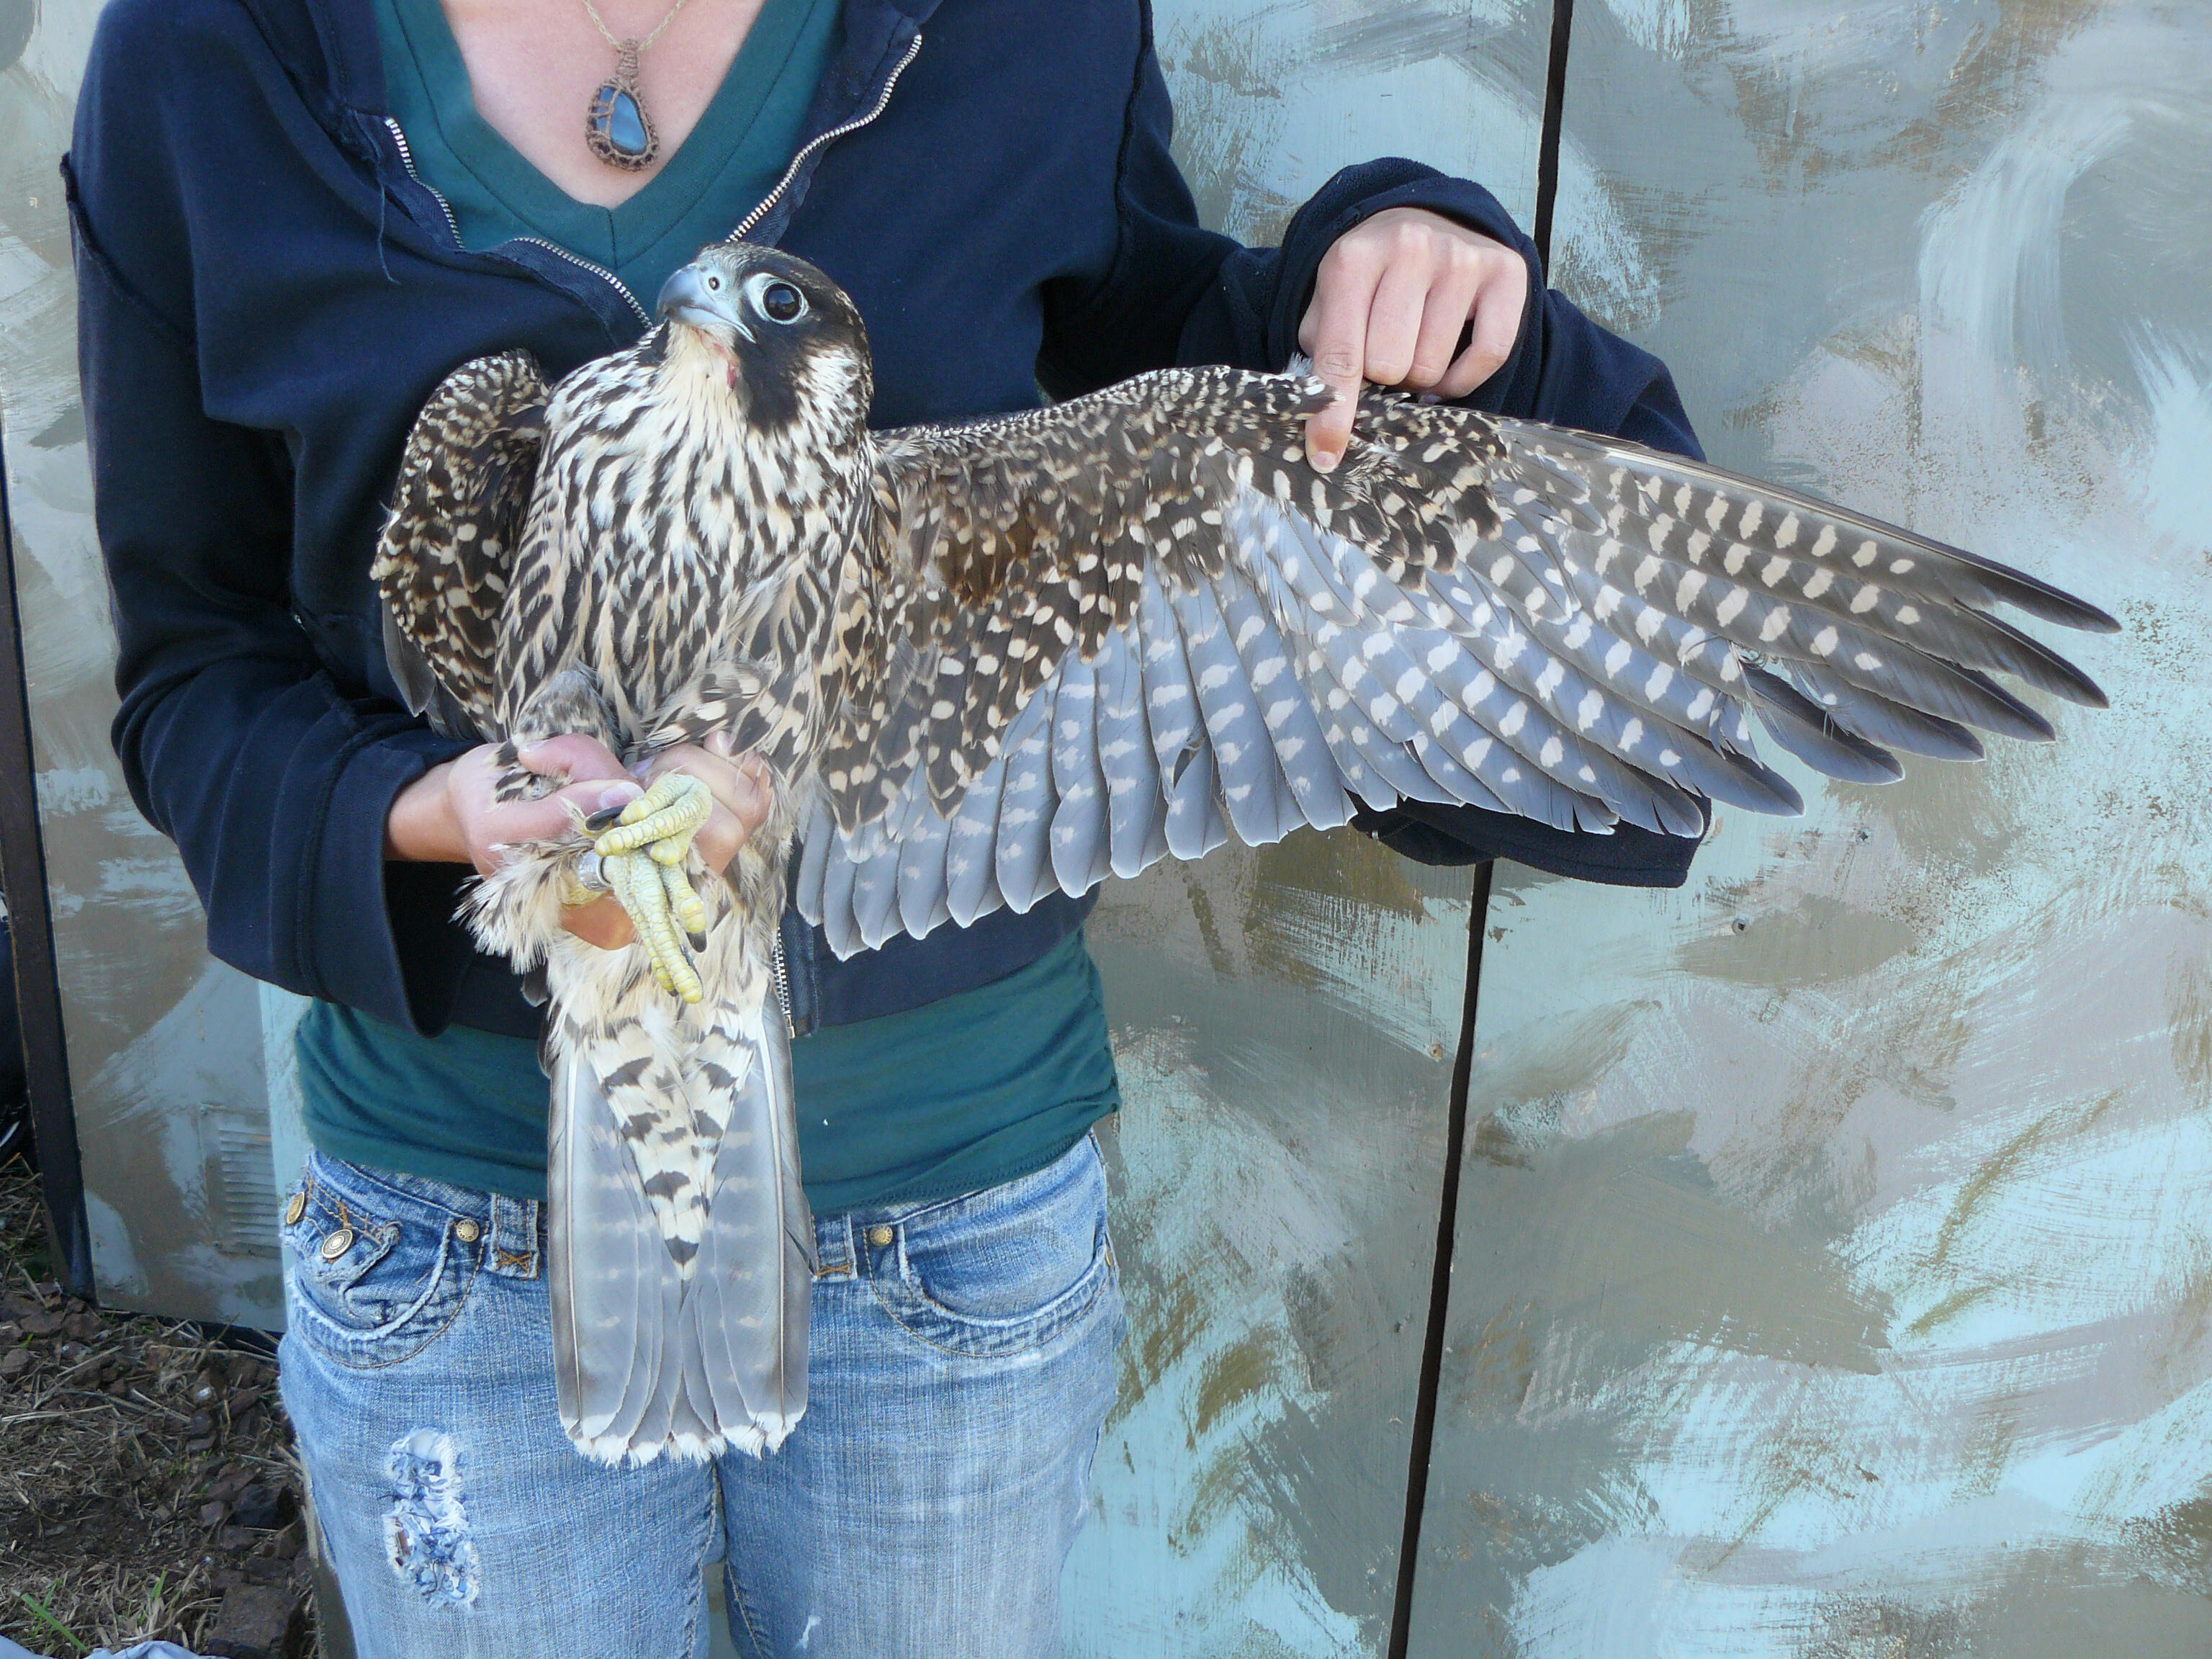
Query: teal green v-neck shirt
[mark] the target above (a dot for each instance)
(962, 1094)
(728, 163)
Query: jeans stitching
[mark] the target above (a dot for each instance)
(331, 1341)
(735, 1593)
(698, 1599)
(997, 1195)
(1055, 1320)
(368, 1177)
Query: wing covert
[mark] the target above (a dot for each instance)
(458, 511)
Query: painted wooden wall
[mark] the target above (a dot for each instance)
(1833, 1263)
(164, 1044)
(1835, 1267)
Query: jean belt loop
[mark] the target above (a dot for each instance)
(832, 1247)
(514, 1242)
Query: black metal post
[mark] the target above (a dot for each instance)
(38, 988)
(1432, 1344)
(1555, 111)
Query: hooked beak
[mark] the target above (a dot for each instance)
(685, 298)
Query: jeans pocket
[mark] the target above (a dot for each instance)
(1005, 1271)
(375, 1275)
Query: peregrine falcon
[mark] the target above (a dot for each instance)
(992, 660)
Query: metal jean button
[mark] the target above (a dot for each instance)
(880, 1235)
(337, 1244)
(467, 1230)
(296, 1208)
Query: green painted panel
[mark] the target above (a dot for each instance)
(164, 1043)
(1833, 1269)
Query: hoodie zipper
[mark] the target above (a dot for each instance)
(783, 982)
(407, 161)
(807, 151)
(813, 145)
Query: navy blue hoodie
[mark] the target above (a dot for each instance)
(266, 296)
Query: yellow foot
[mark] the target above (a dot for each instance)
(641, 858)
(642, 887)
(662, 820)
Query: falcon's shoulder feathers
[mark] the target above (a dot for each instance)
(458, 512)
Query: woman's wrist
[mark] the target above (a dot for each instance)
(422, 827)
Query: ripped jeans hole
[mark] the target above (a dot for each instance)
(426, 1532)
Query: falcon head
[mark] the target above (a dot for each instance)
(795, 348)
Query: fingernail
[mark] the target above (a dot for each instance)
(748, 790)
(1325, 460)
(718, 743)
(618, 794)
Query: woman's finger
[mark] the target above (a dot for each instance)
(1334, 335)
(571, 756)
(1443, 321)
(1499, 304)
(602, 922)
(1393, 321)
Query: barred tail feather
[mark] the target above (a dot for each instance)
(677, 1328)
(744, 1337)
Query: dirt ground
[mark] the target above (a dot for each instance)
(147, 1488)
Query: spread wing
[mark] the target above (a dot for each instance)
(1135, 624)
(458, 511)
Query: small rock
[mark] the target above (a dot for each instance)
(199, 1444)
(229, 1480)
(13, 1306)
(206, 1390)
(247, 1421)
(119, 1389)
(213, 1514)
(48, 1290)
(260, 1506)
(16, 1362)
(289, 1541)
(267, 1570)
(42, 1323)
(234, 1540)
(201, 1426)
(70, 1353)
(84, 1326)
(164, 1513)
(256, 1622)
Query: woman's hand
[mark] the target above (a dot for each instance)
(449, 815)
(1392, 300)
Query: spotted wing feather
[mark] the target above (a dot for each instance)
(1144, 619)
(458, 511)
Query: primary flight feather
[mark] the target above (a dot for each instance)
(993, 661)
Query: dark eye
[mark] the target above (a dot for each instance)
(779, 302)
(713, 282)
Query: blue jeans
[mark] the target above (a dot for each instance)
(962, 1368)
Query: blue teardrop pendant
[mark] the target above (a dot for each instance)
(618, 129)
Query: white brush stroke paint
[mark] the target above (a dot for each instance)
(2023, 1164)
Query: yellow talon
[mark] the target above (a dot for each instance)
(684, 904)
(643, 858)
(662, 820)
(642, 890)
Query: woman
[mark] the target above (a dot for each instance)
(294, 216)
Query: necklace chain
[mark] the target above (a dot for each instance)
(616, 41)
